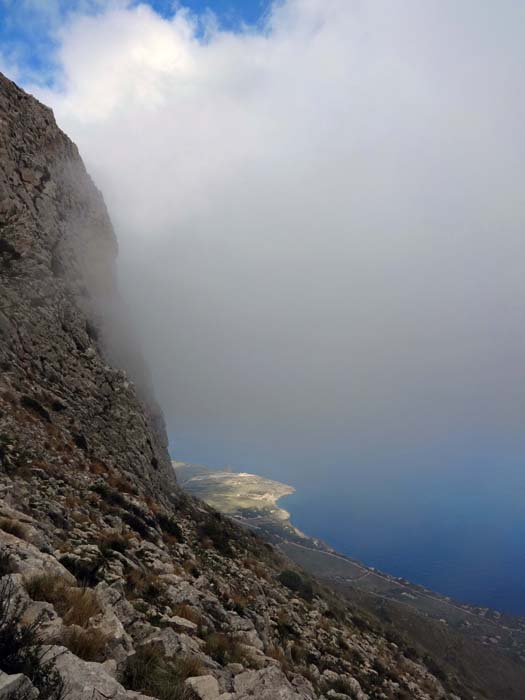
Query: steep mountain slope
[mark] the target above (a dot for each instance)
(57, 255)
(488, 647)
(113, 583)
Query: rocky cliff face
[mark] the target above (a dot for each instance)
(112, 583)
(59, 305)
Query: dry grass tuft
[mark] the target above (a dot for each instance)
(148, 672)
(188, 613)
(140, 584)
(14, 527)
(76, 606)
(87, 644)
(223, 649)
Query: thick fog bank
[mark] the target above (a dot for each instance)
(320, 225)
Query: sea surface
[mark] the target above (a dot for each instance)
(463, 535)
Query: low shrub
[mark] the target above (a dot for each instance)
(148, 672)
(87, 572)
(223, 649)
(296, 583)
(87, 644)
(216, 530)
(285, 626)
(112, 543)
(238, 602)
(111, 496)
(20, 649)
(190, 566)
(170, 526)
(140, 584)
(13, 527)
(7, 563)
(136, 523)
(76, 606)
(188, 613)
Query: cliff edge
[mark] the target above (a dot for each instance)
(59, 306)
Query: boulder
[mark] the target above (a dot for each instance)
(250, 638)
(50, 624)
(30, 561)
(120, 644)
(113, 597)
(85, 680)
(16, 686)
(183, 592)
(204, 687)
(181, 624)
(169, 643)
(266, 684)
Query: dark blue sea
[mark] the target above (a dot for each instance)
(462, 535)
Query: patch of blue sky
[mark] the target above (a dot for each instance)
(231, 14)
(29, 28)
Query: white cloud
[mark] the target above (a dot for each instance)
(321, 223)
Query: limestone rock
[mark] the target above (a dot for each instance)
(29, 560)
(85, 680)
(180, 624)
(267, 684)
(16, 686)
(204, 687)
(59, 308)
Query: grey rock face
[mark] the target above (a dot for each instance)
(16, 686)
(61, 319)
(85, 680)
(204, 687)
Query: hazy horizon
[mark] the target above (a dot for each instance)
(320, 214)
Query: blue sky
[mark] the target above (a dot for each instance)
(28, 28)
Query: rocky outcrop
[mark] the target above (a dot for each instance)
(60, 314)
(185, 594)
(16, 685)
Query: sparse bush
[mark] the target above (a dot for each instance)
(285, 626)
(434, 668)
(298, 653)
(188, 613)
(87, 644)
(7, 563)
(87, 572)
(170, 526)
(215, 529)
(238, 602)
(140, 584)
(20, 649)
(354, 656)
(190, 566)
(148, 672)
(13, 527)
(296, 583)
(136, 523)
(76, 606)
(223, 649)
(112, 543)
(257, 567)
(114, 498)
(121, 483)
